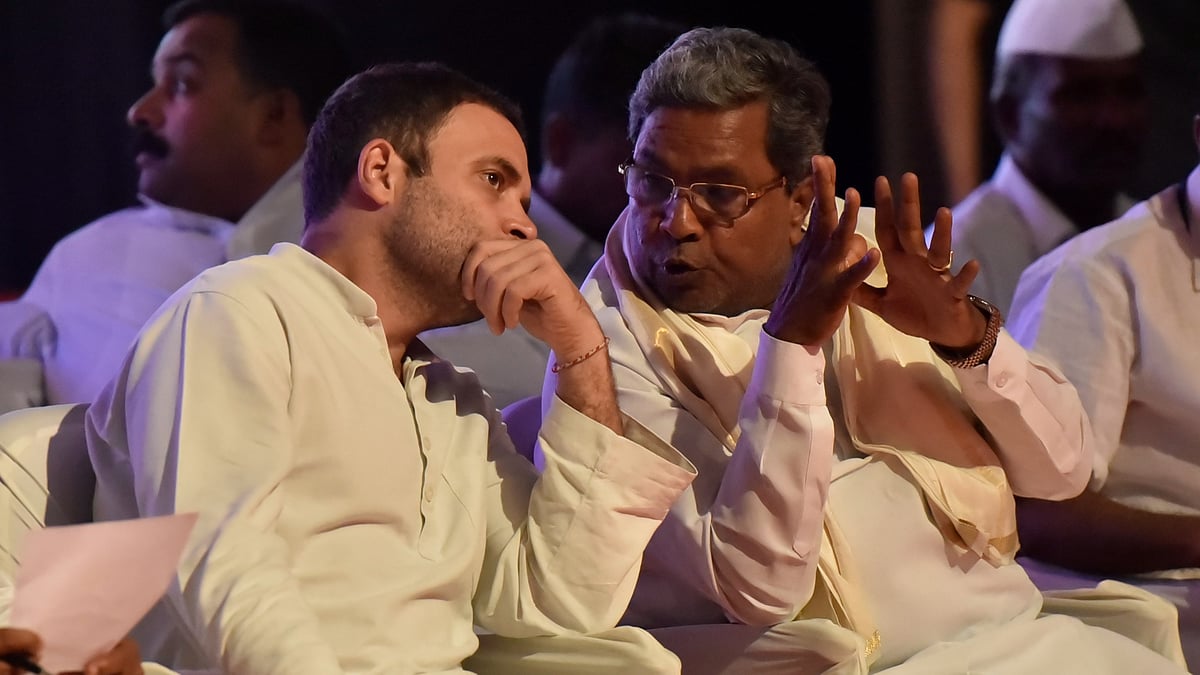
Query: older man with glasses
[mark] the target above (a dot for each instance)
(859, 436)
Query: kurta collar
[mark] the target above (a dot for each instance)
(182, 219)
(341, 290)
(277, 216)
(1048, 226)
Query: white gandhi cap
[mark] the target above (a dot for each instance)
(1086, 29)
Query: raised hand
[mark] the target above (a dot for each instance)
(519, 282)
(922, 298)
(831, 261)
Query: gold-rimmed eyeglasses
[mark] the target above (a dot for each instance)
(726, 202)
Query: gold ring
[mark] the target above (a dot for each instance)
(944, 268)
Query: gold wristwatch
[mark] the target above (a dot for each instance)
(962, 358)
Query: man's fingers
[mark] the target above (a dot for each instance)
(960, 284)
(885, 215)
(909, 228)
(480, 252)
(848, 222)
(940, 241)
(824, 215)
(506, 281)
(511, 306)
(869, 298)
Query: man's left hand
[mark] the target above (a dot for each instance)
(922, 297)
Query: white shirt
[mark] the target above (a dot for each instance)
(511, 365)
(1006, 224)
(100, 283)
(352, 520)
(1118, 308)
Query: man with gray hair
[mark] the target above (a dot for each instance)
(1069, 102)
(858, 436)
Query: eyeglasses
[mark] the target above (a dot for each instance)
(726, 202)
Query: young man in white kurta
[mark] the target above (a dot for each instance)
(351, 521)
(1116, 308)
(361, 506)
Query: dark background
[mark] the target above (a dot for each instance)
(69, 69)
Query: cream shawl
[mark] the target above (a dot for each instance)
(899, 399)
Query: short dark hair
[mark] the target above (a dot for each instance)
(404, 103)
(723, 68)
(280, 45)
(595, 75)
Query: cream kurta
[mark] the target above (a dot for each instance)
(742, 544)
(351, 521)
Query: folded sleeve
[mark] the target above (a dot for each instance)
(747, 533)
(565, 547)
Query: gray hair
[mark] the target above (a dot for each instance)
(725, 68)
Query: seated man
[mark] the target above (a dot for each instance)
(1069, 103)
(858, 434)
(361, 507)
(1118, 310)
(219, 137)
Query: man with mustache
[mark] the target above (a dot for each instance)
(1069, 102)
(218, 141)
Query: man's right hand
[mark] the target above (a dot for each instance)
(831, 261)
(123, 659)
(18, 642)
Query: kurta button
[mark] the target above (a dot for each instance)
(429, 493)
(820, 378)
(1001, 381)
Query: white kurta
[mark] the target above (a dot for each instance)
(1006, 224)
(1118, 308)
(100, 283)
(351, 520)
(742, 542)
(510, 365)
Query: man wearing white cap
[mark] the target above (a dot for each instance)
(1069, 102)
(1117, 308)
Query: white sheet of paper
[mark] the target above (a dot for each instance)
(84, 587)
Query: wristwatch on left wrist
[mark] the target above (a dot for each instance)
(970, 357)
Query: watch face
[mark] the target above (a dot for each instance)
(987, 307)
